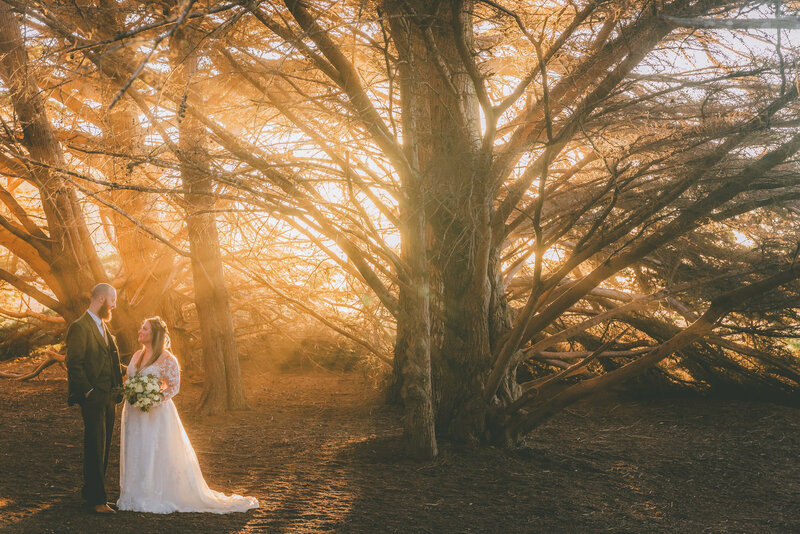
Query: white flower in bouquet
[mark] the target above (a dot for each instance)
(143, 391)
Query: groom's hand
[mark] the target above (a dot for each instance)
(91, 395)
(96, 396)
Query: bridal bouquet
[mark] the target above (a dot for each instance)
(143, 391)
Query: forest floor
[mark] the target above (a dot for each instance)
(320, 452)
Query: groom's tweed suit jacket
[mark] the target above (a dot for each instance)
(91, 362)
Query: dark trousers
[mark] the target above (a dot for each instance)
(98, 426)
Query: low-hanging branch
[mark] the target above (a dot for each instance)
(53, 358)
(719, 307)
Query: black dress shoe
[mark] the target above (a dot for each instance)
(113, 506)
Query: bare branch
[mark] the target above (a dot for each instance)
(777, 23)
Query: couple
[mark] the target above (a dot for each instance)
(159, 471)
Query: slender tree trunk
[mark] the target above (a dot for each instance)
(141, 266)
(412, 362)
(223, 388)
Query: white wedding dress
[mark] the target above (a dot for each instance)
(159, 471)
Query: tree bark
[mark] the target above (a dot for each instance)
(412, 345)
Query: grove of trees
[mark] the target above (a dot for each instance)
(507, 204)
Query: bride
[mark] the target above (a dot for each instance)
(159, 471)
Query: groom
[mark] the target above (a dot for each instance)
(94, 378)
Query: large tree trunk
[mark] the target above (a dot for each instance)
(470, 317)
(73, 259)
(223, 388)
(441, 118)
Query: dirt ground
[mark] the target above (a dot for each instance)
(321, 454)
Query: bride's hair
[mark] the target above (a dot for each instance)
(160, 339)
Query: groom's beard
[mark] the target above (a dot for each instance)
(104, 312)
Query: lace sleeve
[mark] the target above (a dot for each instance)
(171, 375)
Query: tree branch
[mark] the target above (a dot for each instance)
(777, 23)
(31, 291)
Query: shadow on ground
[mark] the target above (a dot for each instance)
(322, 455)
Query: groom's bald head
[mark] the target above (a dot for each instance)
(103, 290)
(104, 299)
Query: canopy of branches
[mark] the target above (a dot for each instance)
(532, 179)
